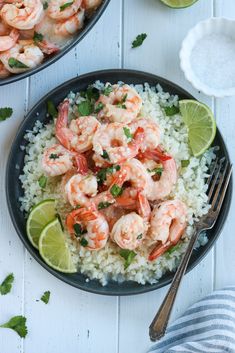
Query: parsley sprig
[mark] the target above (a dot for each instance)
(18, 324)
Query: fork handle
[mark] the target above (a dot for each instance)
(159, 324)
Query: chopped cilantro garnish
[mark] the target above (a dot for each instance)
(5, 113)
(107, 90)
(99, 107)
(116, 190)
(53, 156)
(128, 133)
(185, 163)
(64, 6)
(103, 205)
(42, 181)
(51, 109)
(140, 236)
(156, 171)
(139, 40)
(128, 255)
(18, 324)
(174, 248)
(105, 155)
(6, 285)
(170, 111)
(45, 5)
(12, 62)
(46, 297)
(92, 93)
(37, 37)
(85, 108)
(102, 173)
(83, 242)
(78, 229)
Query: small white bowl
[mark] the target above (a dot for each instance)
(224, 28)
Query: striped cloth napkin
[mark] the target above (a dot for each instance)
(207, 327)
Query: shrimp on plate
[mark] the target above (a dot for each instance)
(151, 133)
(91, 4)
(167, 225)
(62, 9)
(57, 160)
(162, 186)
(71, 25)
(78, 136)
(120, 103)
(24, 57)
(92, 225)
(8, 41)
(80, 188)
(112, 146)
(22, 14)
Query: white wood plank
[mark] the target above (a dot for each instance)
(225, 112)
(74, 321)
(11, 249)
(166, 28)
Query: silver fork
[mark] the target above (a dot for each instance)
(217, 186)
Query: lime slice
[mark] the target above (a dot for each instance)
(178, 4)
(201, 125)
(54, 249)
(40, 215)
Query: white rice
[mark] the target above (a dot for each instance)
(106, 263)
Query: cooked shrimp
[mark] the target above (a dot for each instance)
(79, 188)
(111, 145)
(79, 135)
(151, 133)
(8, 41)
(3, 71)
(167, 225)
(121, 105)
(91, 4)
(129, 231)
(24, 14)
(71, 25)
(112, 214)
(63, 9)
(94, 227)
(57, 160)
(27, 57)
(162, 187)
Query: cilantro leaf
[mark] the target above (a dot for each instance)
(103, 205)
(5, 113)
(64, 6)
(37, 37)
(42, 181)
(156, 171)
(173, 248)
(105, 155)
(140, 236)
(170, 111)
(83, 242)
(185, 163)
(116, 190)
(53, 156)
(99, 107)
(18, 324)
(128, 133)
(51, 109)
(85, 108)
(12, 62)
(107, 90)
(45, 5)
(78, 229)
(92, 93)
(139, 40)
(6, 285)
(128, 255)
(102, 173)
(46, 297)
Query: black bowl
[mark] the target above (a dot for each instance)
(14, 190)
(52, 59)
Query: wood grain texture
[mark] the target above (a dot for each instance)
(76, 321)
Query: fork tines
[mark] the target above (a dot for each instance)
(218, 183)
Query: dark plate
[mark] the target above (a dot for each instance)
(14, 190)
(52, 59)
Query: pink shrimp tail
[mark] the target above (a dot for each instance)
(156, 155)
(47, 47)
(81, 162)
(143, 206)
(61, 129)
(159, 250)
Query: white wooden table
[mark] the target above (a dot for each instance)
(75, 321)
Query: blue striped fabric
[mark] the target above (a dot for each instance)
(207, 327)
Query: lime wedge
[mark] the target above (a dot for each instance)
(40, 215)
(178, 4)
(201, 125)
(54, 249)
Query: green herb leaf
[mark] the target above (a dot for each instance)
(185, 163)
(99, 107)
(124, 98)
(103, 205)
(51, 109)
(6, 285)
(53, 156)
(45, 5)
(121, 105)
(156, 171)
(174, 248)
(78, 229)
(170, 111)
(92, 93)
(140, 236)
(18, 324)
(139, 40)
(102, 173)
(12, 62)
(85, 108)
(42, 181)
(84, 242)
(46, 297)
(116, 190)
(128, 255)
(107, 90)
(128, 133)
(37, 37)
(5, 113)
(105, 155)
(64, 6)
